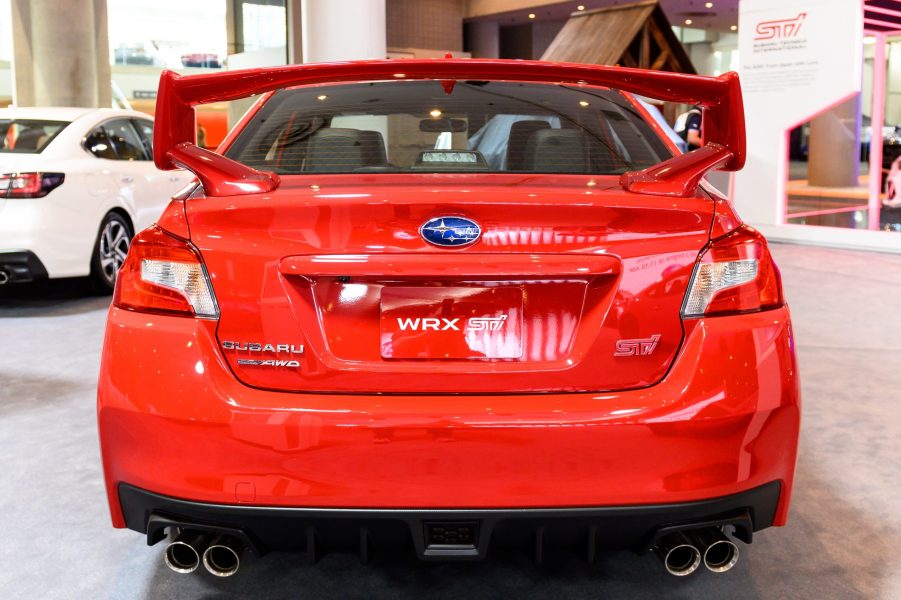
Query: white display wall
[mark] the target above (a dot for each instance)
(798, 59)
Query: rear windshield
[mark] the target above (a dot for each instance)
(28, 136)
(427, 126)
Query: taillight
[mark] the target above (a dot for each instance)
(735, 274)
(29, 185)
(164, 274)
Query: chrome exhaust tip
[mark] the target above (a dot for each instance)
(679, 555)
(720, 553)
(4, 277)
(222, 557)
(184, 552)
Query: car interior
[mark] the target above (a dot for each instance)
(27, 136)
(465, 131)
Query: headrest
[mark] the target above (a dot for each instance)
(557, 151)
(520, 132)
(338, 150)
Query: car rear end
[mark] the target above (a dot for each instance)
(26, 176)
(452, 326)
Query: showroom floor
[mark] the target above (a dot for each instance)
(842, 541)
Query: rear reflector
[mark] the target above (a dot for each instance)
(164, 274)
(735, 274)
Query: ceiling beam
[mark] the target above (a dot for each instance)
(483, 8)
(882, 11)
(886, 24)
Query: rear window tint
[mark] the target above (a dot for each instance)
(28, 136)
(418, 126)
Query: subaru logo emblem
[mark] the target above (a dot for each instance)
(450, 231)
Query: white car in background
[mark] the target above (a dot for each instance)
(75, 185)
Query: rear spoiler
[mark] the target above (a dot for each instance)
(174, 138)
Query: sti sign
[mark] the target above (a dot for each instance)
(798, 59)
(779, 29)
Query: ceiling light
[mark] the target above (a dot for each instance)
(734, 28)
(322, 97)
(580, 7)
(583, 103)
(435, 112)
(709, 5)
(688, 21)
(531, 15)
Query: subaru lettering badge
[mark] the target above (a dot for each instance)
(452, 232)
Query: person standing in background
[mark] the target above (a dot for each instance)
(688, 126)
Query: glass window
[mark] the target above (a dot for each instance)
(416, 126)
(125, 140)
(263, 25)
(28, 136)
(98, 144)
(165, 33)
(145, 130)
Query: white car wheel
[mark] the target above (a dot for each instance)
(110, 251)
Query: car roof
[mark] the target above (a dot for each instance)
(64, 113)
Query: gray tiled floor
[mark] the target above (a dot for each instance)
(842, 541)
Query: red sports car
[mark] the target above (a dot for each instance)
(452, 305)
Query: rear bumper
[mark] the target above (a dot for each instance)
(58, 229)
(21, 267)
(318, 531)
(173, 420)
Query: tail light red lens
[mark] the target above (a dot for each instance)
(29, 185)
(164, 274)
(735, 274)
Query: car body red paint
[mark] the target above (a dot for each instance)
(549, 412)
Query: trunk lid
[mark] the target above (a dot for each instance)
(574, 284)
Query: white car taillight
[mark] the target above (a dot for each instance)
(29, 185)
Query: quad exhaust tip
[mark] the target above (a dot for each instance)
(222, 557)
(679, 555)
(682, 552)
(719, 552)
(184, 552)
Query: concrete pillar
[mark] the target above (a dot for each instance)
(61, 53)
(294, 37)
(483, 39)
(834, 147)
(346, 30)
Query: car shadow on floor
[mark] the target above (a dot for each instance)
(802, 560)
(51, 298)
(283, 575)
(614, 575)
